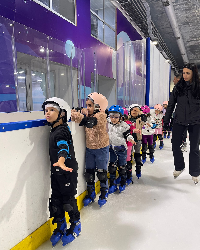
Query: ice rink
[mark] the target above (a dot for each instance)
(156, 212)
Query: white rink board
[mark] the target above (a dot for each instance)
(25, 179)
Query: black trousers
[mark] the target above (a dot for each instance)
(64, 189)
(185, 134)
(194, 157)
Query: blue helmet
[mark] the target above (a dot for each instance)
(116, 109)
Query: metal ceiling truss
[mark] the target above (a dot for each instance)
(138, 14)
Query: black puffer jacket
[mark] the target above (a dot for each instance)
(187, 108)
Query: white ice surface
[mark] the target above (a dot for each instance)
(156, 212)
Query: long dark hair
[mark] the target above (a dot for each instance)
(181, 85)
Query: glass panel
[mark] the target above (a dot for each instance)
(109, 13)
(109, 36)
(38, 89)
(61, 75)
(21, 82)
(138, 77)
(45, 2)
(52, 83)
(97, 7)
(8, 101)
(65, 8)
(120, 75)
(96, 27)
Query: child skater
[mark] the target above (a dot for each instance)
(137, 119)
(63, 172)
(157, 116)
(118, 132)
(165, 104)
(129, 147)
(147, 135)
(94, 119)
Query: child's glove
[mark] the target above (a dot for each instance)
(88, 122)
(143, 117)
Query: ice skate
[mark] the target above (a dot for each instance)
(164, 136)
(129, 181)
(72, 233)
(58, 232)
(112, 189)
(144, 160)
(103, 197)
(138, 171)
(89, 198)
(168, 137)
(184, 147)
(154, 145)
(195, 179)
(177, 173)
(122, 188)
(161, 145)
(152, 159)
(129, 178)
(118, 180)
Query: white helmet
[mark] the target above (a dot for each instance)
(132, 106)
(63, 105)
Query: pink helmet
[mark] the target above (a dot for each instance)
(145, 109)
(158, 107)
(165, 102)
(99, 99)
(125, 111)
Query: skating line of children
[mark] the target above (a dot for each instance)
(111, 136)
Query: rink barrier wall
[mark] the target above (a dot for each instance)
(43, 233)
(28, 185)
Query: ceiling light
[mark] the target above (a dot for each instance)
(33, 74)
(42, 50)
(62, 74)
(21, 77)
(7, 86)
(155, 42)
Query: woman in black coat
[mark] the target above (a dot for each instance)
(186, 94)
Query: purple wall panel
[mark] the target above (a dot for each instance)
(38, 18)
(124, 25)
(7, 9)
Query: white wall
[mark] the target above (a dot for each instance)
(159, 78)
(25, 178)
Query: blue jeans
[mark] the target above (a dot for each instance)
(119, 156)
(97, 158)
